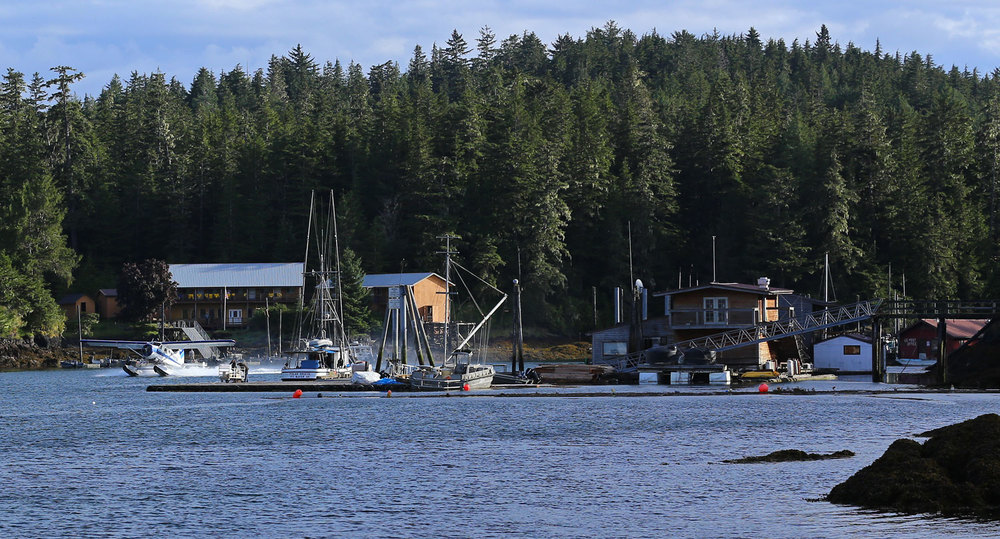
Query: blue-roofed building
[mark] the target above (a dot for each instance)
(221, 296)
(428, 292)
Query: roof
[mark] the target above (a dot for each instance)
(385, 280)
(284, 274)
(735, 287)
(109, 292)
(70, 299)
(955, 327)
(867, 339)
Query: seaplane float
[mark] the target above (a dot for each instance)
(162, 358)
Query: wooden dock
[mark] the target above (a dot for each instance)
(307, 386)
(275, 387)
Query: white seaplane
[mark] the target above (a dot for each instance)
(162, 358)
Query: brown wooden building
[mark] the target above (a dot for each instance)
(428, 292)
(73, 303)
(220, 296)
(699, 311)
(107, 303)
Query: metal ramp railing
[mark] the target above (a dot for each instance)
(827, 318)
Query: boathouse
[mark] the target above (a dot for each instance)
(850, 353)
(220, 296)
(920, 340)
(428, 292)
(699, 311)
(73, 303)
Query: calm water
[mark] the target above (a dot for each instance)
(93, 454)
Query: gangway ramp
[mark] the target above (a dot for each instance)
(769, 331)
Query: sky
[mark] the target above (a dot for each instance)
(102, 38)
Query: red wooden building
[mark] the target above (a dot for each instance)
(920, 341)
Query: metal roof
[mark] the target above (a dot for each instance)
(284, 274)
(955, 327)
(384, 280)
(70, 299)
(736, 287)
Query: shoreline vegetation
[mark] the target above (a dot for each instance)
(563, 164)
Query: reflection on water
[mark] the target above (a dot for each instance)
(86, 454)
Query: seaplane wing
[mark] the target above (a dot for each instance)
(167, 345)
(130, 345)
(185, 345)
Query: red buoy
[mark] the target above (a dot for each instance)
(762, 387)
(465, 387)
(297, 394)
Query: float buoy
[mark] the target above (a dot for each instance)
(297, 394)
(465, 387)
(762, 388)
(388, 393)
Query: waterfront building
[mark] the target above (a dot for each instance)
(221, 296)
(921, 340)
(698, 311)
(428, 293)
(850, 353)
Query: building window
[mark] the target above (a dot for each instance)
(852, 350)
(716, 310)
(615, 348)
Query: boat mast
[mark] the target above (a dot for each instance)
(340, 330)
(447, 289)
(305, 269)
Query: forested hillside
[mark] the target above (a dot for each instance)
(544, 158)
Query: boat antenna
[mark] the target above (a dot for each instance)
(713, 260)
(631, 278)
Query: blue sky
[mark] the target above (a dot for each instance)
(177, 37)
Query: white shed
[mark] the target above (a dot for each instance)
(849, 353)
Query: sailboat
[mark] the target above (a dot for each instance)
(463, 367)
(324, 351)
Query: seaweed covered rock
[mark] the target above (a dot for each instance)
(956, 472)
(792, 455)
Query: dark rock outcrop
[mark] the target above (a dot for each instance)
(29, 354)
(955, 473)
(791, 455)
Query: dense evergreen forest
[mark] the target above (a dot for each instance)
(556, 163)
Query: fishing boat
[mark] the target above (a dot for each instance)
(325, 352)
(463, 366)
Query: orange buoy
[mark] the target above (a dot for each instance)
(297, 394)
(465, 387)
(388, 393)
(762, 387)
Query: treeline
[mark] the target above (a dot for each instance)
(562, 164)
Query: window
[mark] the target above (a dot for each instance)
(615, 348)
(852, 350)
(716, 310)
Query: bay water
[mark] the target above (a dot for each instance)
(92, 454)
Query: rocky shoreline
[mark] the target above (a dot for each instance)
(33, 354)
(956, 472)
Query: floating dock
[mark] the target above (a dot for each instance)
(306, 386)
